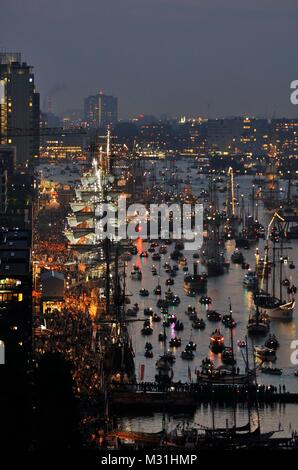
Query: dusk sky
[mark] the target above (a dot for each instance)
(178, 57)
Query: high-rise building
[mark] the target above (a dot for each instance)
(19, 108)
(91, 110)
(108, 110)
(101, 110)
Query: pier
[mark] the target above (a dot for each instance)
(181, 396)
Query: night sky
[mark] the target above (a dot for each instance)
(177, 57)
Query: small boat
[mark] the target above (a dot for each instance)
(179, 326)
(136, 273)
(237, 257)
(133, 250)
(217, 342)
(172, 318)
(258, 323)
(191, 293)
(205, 300)
(162, 303)
(265, 354)
(157, 290)
(271, 370)
(148, 311)
(175, 342)
(227, 356)
(199, 324)
(250, 280)
(229, 321)
(147, 330)
(213, 315)
(187, 355)
(155, 318)
(190, 310)
(162, 337)
(196, 281)
(148, 346)
(144, 292)
(272, 342)
(176, 255)
(148, 354)
(172, 299)
(191, 346)
(179, 245)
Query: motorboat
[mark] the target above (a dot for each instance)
(205, 300)
(144, 292)
(179, 326)
(229, 321)
(157, 290)
(250, 280)
(198, 324)
(162, 337)
(272, 342)
(264, 353)
(217, 342)
(258, 323)
(213, 315)
(237, 257)
(175, 342)
(187, 355)
(136, 274)
(148, 311)
(227, 356)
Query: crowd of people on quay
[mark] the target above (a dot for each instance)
(223, 390)
(70, 333)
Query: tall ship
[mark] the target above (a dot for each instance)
(273, 299)
(84, 223)
(212, 253)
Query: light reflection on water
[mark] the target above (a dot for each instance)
(283, 418)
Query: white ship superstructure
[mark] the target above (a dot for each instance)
(85, 224)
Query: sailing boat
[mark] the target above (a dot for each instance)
(212, 251)
(228, 356)
(258, 323)
(276, 307)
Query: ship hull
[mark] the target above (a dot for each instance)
(282, 312)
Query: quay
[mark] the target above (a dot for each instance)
(153, 396)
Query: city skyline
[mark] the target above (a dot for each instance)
(177, 58)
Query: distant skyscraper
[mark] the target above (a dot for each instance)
(91, 110)
(19, 108)
(108, 110)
